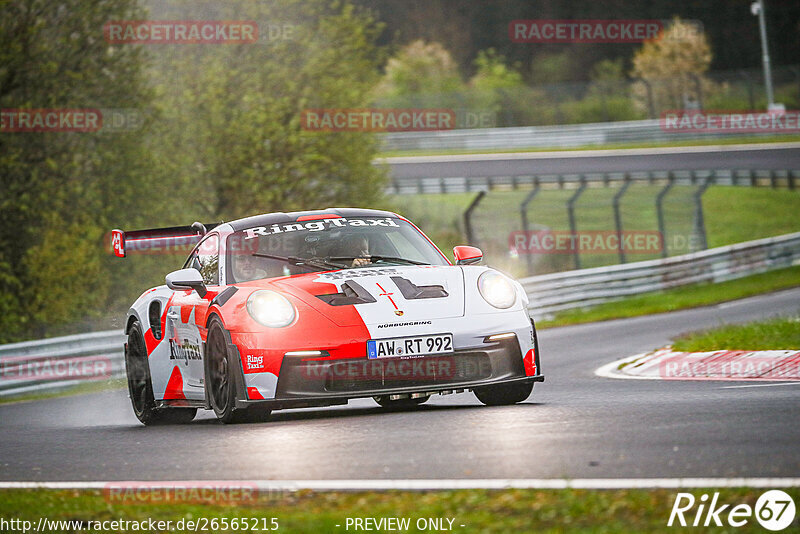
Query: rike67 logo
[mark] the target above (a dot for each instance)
(774, 510)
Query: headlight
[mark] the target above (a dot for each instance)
(270, 309)
(497, 290)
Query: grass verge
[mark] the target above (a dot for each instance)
(80, 389)
(478, 510)
(681, 298)
(750, 140)
(782, 333)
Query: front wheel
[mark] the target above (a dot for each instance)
(504, 394)
(140, 387)
(222, 381)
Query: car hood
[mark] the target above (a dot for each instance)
(381, 295)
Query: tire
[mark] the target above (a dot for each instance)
(222, 380)
(504, 394)
(140, 387)
(401, 404)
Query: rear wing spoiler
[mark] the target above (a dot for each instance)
(155, 240)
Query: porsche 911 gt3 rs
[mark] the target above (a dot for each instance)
(315, 308)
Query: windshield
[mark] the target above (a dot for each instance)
(326, 244)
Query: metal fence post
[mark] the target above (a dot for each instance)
(606, 116)
(468, 217)
(698, 217)
(750, 94)
(660, 213)
(523, 213)
(796, 72)
(618, 216)
(699, 88)
(571, 215)
(651, 107)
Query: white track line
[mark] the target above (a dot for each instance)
(797, 383)
(397, 160)
(428, 484)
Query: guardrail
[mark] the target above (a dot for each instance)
(59, 362)
(464, 184)
(24, 366)
(562, 136)
(555, 292)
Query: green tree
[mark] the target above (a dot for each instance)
(674, 65)
(421, 75)
(552, 68)
(59, 189)
(607, 98)
(235, 111)
(498, 88)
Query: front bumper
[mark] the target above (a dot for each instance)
(304, 383)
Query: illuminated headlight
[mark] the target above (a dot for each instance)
(497, 290)
(270, 309)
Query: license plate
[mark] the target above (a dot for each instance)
(410, 346)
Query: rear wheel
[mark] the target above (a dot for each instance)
(504, 394)
(400, 404)
(222, 381)
(140, 387)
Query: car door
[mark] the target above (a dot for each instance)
(186, 318)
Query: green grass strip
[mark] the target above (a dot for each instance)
(681, 298)
(782, 333)
(511, 511)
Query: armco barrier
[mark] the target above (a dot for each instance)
(31, 366)
(547, 293)
(550, 293)
(563, 136)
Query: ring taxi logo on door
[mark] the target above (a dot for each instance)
(774, 510)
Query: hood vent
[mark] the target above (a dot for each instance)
(352, 293)
(411, 291)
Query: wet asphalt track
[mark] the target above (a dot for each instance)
(574, 425)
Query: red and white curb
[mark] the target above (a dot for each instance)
(666, 364)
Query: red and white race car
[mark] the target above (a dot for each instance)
(314, 308)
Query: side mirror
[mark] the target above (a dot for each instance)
(467, 255)
(187, 279)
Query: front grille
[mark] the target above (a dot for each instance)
(362, 377)
(368, 375)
